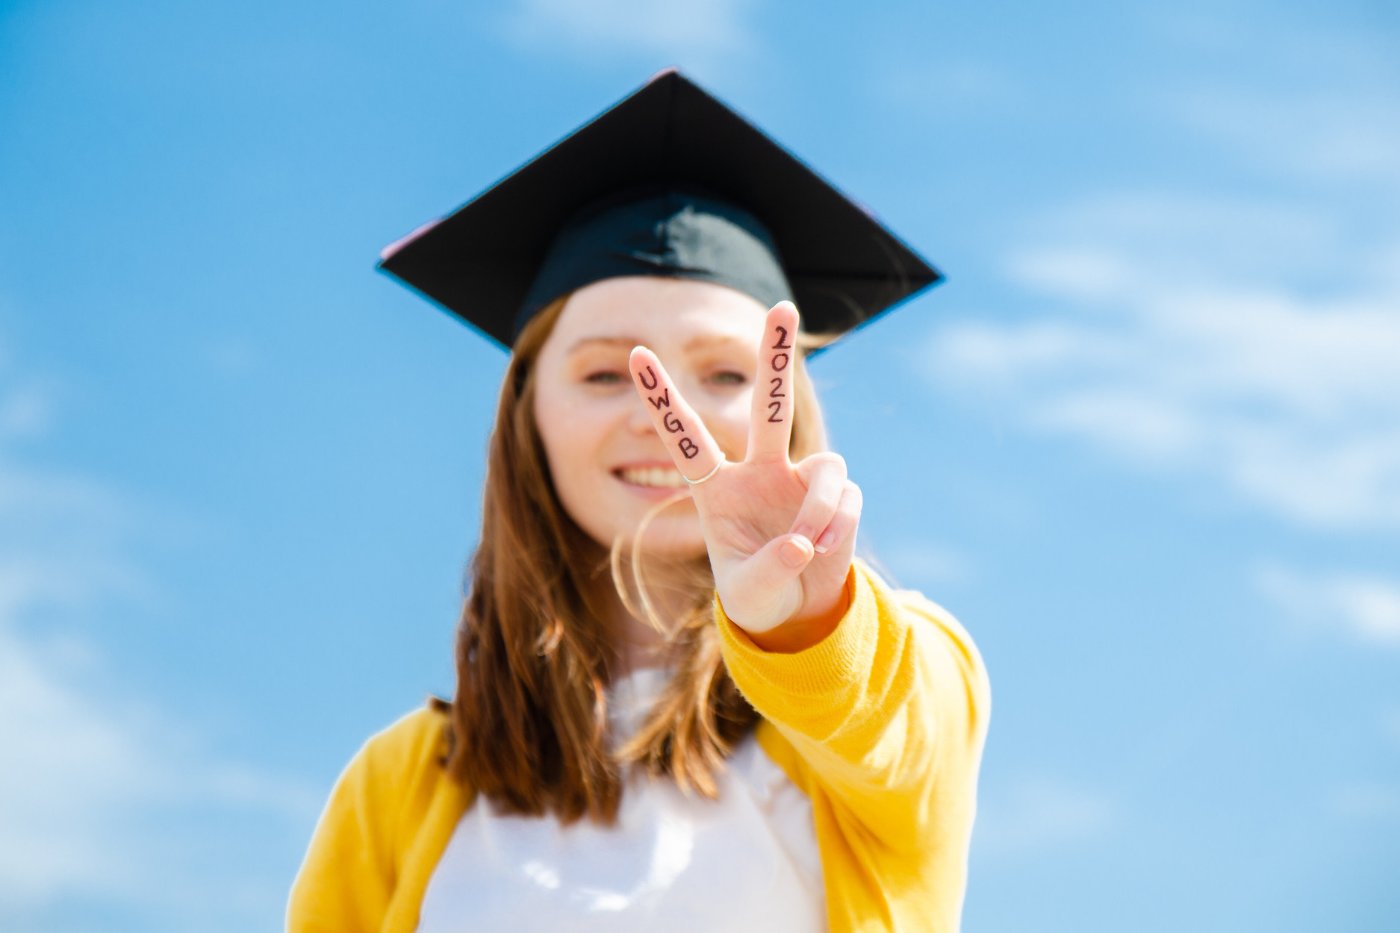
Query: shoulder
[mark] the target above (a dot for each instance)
(943, 623)
(419, 732)
(408, 752)
(945, 644)
(949, 664)
(928, 616)
(377, 808)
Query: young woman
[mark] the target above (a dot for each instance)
(682, 702)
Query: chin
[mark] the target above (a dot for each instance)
(676, 540)
(676, 550)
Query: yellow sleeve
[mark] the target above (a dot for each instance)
(890, 706)
(347, 878)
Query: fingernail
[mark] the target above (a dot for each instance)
(795, 552)
(825, 542)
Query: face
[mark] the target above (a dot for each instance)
(608, 465)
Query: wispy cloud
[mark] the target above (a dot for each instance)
(922, 564)
(1338, 123)
(1367, 607)
(600, 28)
(1368, 802)
(25, 411)
(232, 356)
(1351, 139)
(937, 85)
(1036, 814)
(1391, 726)
(1250, 339)
(100, 781)
(1168, 335)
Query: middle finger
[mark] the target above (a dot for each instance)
(770, 427)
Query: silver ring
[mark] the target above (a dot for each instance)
(697, 482)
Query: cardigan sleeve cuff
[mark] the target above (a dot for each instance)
(836, 663)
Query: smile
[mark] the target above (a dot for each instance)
(653, 477)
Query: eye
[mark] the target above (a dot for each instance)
(604, 377)
(730, 377)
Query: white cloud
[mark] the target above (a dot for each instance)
(937, 85)
(1036, 815)
(1337, 119)
(1368, 802)
(102, 789)
(598, 28)
(1366, 607)
(23, 412)
(1162, 339)
(921, 564)
(1252, 340)
(1106, 243)
(232, 356)
(1391, 725)
(1351, 138)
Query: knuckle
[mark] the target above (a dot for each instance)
(853, 495)
(830, 461)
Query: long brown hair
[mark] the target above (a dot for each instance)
(528, 722)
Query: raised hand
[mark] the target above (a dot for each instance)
(780, 535)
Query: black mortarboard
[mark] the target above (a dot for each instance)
(668, 182)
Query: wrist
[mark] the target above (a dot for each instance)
(812, 624)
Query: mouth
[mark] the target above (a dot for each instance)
(651, 477)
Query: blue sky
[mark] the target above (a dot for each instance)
(1145, 441)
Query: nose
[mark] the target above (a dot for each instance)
(639, 418)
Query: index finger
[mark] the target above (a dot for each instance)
(770, 430)
(689, 443)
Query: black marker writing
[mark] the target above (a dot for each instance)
(645, 384)
(782, 343)
(688, 448)
(673, 424)
(774, 393)
(779, 363)
(662, 400)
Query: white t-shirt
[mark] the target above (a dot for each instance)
(746, 861)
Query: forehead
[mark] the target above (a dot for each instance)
(657, 310)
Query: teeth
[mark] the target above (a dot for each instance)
(653, 476)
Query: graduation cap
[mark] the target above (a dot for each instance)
(667, 182)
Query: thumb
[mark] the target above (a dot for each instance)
(766, 581)
(782, 559)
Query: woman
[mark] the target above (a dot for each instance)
(682, 700)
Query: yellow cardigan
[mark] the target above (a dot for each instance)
(881, 724)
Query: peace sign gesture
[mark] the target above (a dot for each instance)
(780, 535)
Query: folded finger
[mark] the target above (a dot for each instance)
(824, 475)
(844, 521)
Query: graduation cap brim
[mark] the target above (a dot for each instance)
(844, 266)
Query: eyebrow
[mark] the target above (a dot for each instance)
(694, 343)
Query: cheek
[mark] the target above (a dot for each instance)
(547, 422)
(555, 429)
(570, 429)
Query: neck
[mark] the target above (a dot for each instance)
(636, 642)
